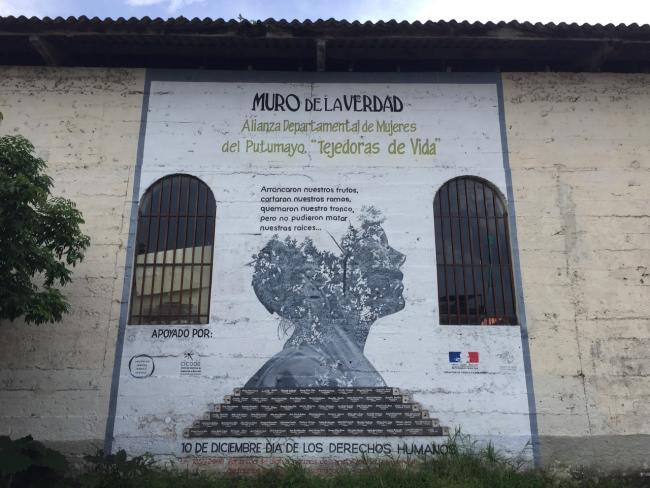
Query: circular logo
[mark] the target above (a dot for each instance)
(141, 366)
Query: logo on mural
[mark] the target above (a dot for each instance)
(470, 357)
(507, 357)
(190, 364)
(463, 362)
(141, 366)
(507, 362)
(321, 383)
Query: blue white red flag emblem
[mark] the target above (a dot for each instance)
(470, 357)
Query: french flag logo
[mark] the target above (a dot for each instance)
(470, 357)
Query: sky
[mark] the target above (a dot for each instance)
(580, 11)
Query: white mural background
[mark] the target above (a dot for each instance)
(187, 126)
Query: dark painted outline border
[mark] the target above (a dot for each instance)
(514, 243)
(128, 268)
(303, 77)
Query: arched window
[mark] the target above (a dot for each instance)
(475, 284)
(173, 255)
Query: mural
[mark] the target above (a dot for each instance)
(321, 383)
(291, 242)
(330, 302)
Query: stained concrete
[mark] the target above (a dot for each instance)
(55, 378)
(580, 160)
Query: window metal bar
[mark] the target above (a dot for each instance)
(444, 260)
(146, 250)
(471, 250)
(453, 258)
(480, 250)
(170, 215)
(176, 243)
(487, 228)
(187, 228)
(196, 225)
(513, 317)
(214, 230)
(462, 250)
(463, 265)
(155, 254)
(178, 265)
(205, 224)
(496, 231)
(166, 241)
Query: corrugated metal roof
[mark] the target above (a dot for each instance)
(322, 27)
(344, 46)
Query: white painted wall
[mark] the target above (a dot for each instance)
(187, 124)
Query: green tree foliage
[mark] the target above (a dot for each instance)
(26, 462)
(40, 238)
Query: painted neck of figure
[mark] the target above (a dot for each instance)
(322, 331)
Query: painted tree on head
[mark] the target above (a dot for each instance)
(330, 298)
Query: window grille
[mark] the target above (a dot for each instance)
(174, 247)
(475, 281)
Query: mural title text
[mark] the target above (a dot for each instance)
(278, 102)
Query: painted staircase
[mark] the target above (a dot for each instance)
(286, 412)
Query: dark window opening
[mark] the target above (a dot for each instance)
(172, 276)
(475, 281)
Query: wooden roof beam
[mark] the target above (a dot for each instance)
(321, 54)
(50, 54)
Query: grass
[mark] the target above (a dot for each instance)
(463, 471)
(464, 466)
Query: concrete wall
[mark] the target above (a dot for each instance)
(580, 159)
(55, 378)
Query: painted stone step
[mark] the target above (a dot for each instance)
(318, 407)
(251, 424)
(315, 391)
(306, 432)
(313, 400)
(317, 415)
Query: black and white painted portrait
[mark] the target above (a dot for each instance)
(327, 303)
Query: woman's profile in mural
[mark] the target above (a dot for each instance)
(330, 302)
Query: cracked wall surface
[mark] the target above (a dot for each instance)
(55, 378)
(580, 161)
